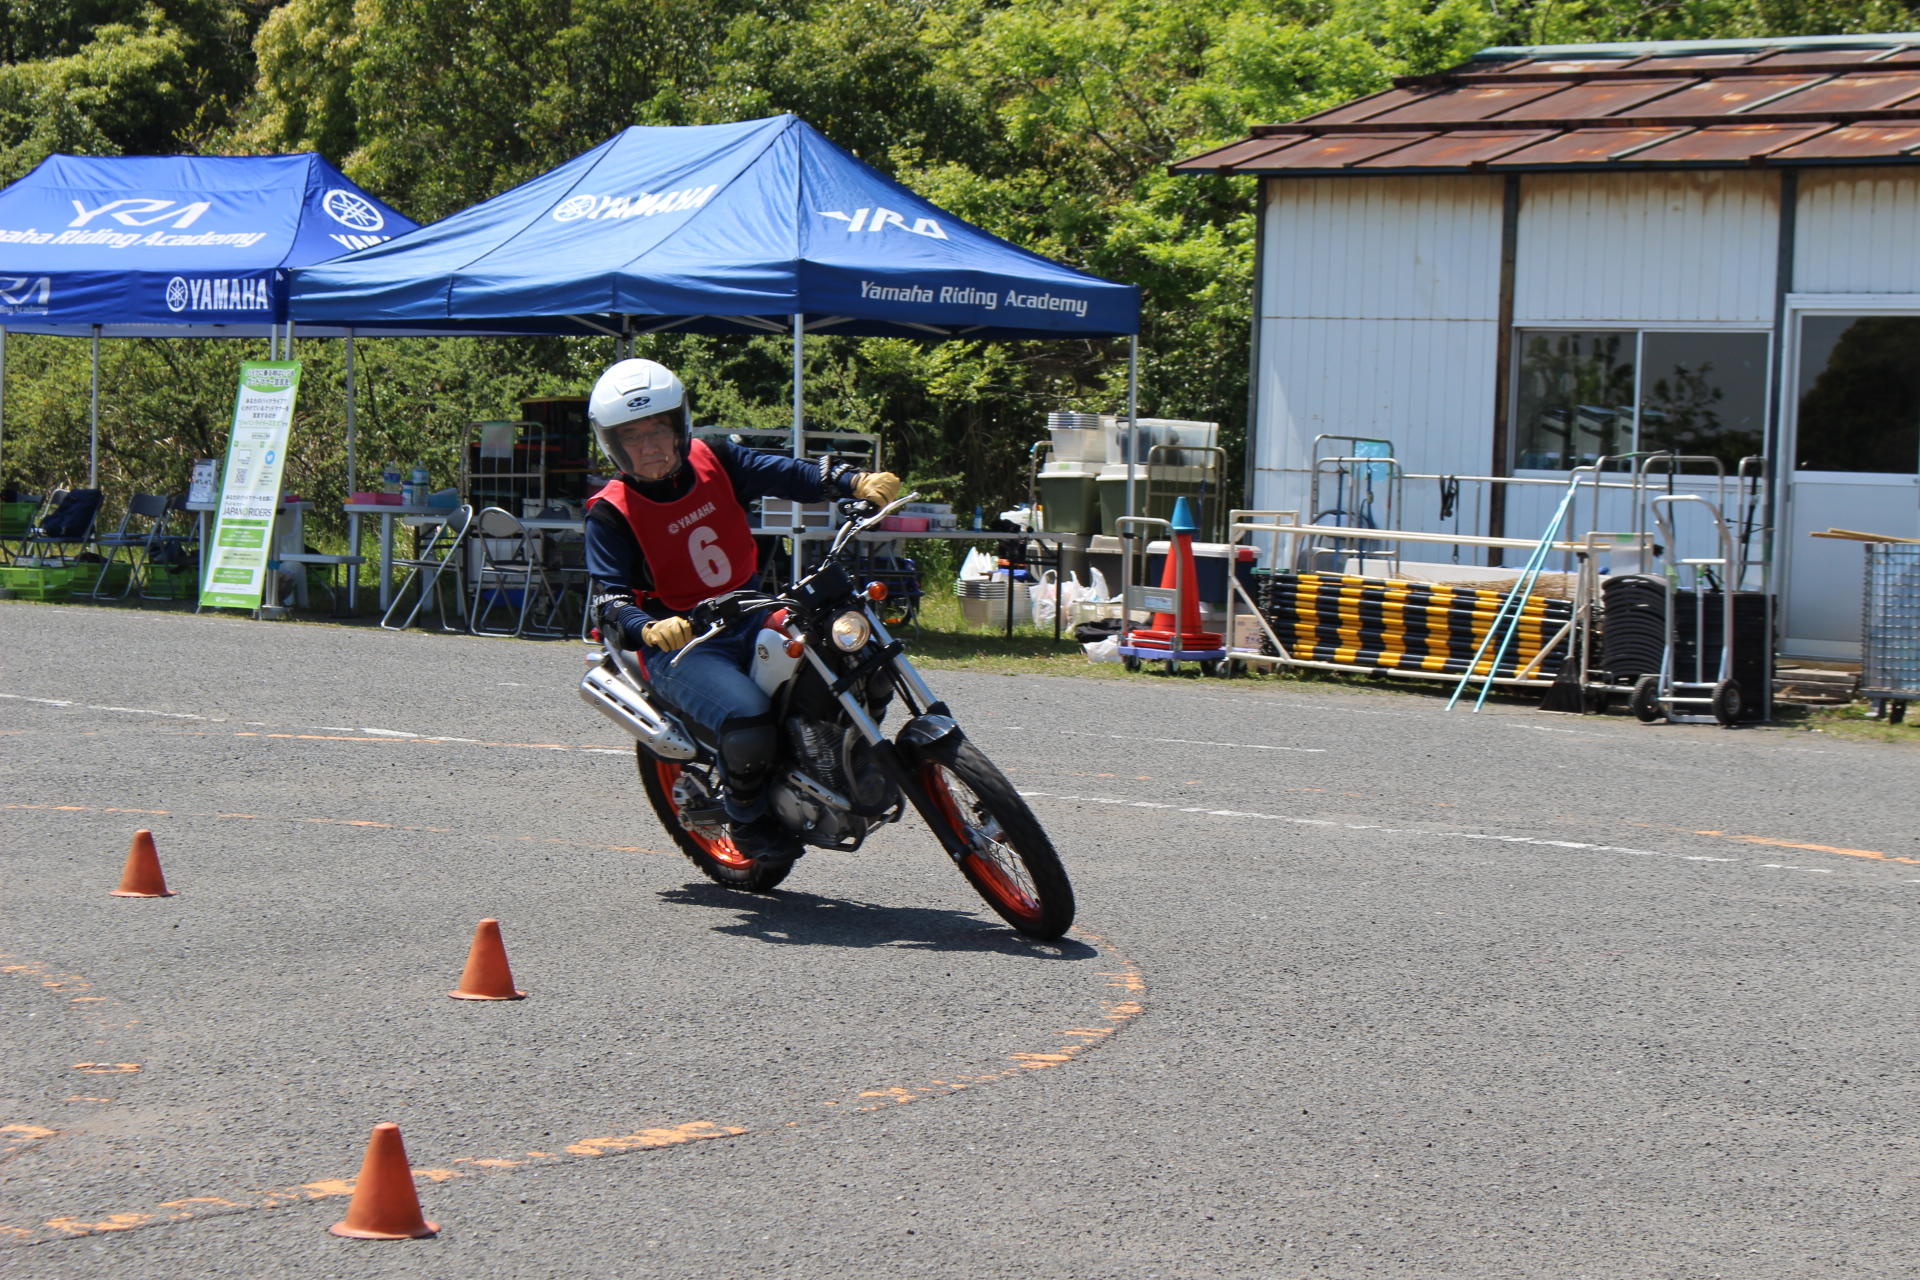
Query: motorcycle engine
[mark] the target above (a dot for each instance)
(839, 759)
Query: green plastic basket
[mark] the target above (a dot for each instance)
(15, 517)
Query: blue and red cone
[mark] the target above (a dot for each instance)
(1178, 634)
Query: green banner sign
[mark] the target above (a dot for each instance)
(250, 487)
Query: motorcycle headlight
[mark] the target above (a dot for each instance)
(851, 631)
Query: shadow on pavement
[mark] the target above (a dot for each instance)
(808, 919)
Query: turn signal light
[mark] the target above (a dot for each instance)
(876, 591)
(796, 647)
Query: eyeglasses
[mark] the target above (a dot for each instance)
(636, 437)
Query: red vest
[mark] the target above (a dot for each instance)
(697, 546)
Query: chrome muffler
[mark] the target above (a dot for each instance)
(609, 693)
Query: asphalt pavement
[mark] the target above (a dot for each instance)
(1361, 987)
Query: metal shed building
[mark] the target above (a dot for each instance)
(1550, 254)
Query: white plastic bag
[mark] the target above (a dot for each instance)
(1041, 594)
(1096, 591)
(1107, 650)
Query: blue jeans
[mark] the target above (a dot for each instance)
(711, 687)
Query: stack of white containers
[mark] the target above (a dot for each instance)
(1067, 492)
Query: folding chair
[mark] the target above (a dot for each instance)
(176, 550)
(508, 563)
(144, 522)
(66, 521)
(437, 563)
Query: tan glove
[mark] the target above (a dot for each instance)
(877, 487)
(668, 633)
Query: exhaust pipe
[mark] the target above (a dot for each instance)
(610, 694)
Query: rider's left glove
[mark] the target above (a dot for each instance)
(877, 487)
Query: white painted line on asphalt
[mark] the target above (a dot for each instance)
(1184, 742)
(82, 706)
(1534, 841)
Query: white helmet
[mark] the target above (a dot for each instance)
(633, 389)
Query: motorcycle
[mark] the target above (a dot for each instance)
(825, 658)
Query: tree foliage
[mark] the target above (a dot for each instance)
(1048, 122)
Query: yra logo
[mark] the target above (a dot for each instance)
(350, 209)
(26, 291)
(879, 218)
(141, 212)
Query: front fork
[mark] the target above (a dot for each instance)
(897, 756)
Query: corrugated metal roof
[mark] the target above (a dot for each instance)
(1698, 104)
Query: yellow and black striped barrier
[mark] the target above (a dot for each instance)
(1407, 626)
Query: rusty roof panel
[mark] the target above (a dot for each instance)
(1456, 106)
(1722, 144)
(1584, 146)
(1340, 151)
(1852, 93)
(1369, 106)
(1818, 57)
(1858, 142)
(1456, 149)
(1695, 62)
(1721, 97)
(1591, 101)
(1240, 153)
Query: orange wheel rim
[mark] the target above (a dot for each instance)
(988, 869)
(721, 849)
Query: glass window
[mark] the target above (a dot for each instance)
(1859, 394)
(1575, 398)
(1585, 394)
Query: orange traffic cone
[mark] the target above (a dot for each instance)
(141, 878)
(487, 976)
(384, 1206)
(1179, 631)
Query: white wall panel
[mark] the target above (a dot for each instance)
(1382, 248)
(1426, 385)
(1647, 248)
(1856, 231)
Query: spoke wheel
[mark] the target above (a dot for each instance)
(1010, 861)
(669, 787)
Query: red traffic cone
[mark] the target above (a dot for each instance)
(141, 877)
(384, 1206)
(1179, 631)
(487, 976)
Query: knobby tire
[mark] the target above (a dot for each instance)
(1011, 863)
(716, 856)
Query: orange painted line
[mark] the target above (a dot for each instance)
(1875, 854)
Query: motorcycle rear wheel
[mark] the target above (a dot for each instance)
(718, 858)
(1011, 862)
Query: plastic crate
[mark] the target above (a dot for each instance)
(168, 582)
(38, 582)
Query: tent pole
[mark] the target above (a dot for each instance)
(1133, 413)
(799, 428)
(3, 398)
(350, 418)
(93, 418)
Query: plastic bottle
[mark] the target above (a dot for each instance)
(390, 478)
(979, 517)
(418, 498)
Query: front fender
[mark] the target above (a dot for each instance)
(924, 731)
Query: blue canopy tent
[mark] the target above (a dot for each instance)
(172, 246)
(761, 226)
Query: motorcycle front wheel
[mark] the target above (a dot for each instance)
(709, 848)
(1010, 861)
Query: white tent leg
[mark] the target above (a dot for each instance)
(3, 399)
(93, 418)
(1133, 414)
(799, 422)
(350, 415)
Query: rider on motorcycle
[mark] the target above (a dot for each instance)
(670, 530)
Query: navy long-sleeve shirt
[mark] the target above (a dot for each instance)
(617, 565)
